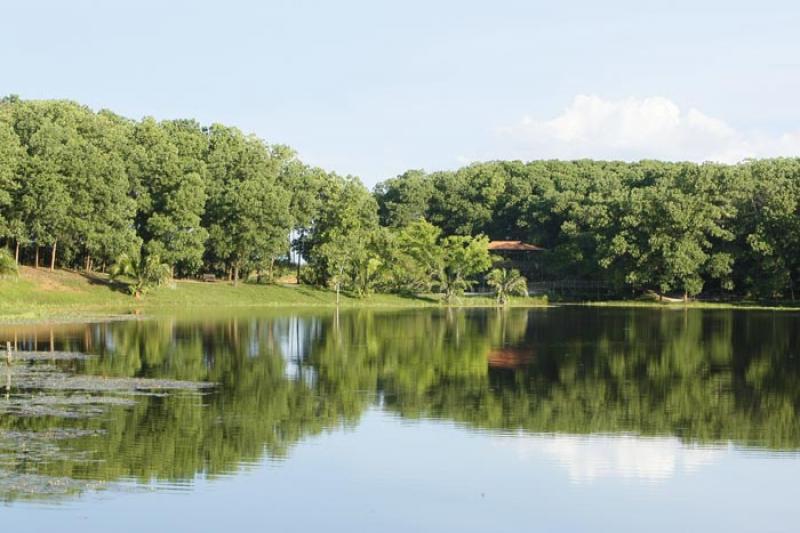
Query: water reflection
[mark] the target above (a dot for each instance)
(590, 458)
(685, 379)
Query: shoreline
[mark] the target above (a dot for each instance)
(80, 314)
(36, 316)
(65, 296)
(743, 305)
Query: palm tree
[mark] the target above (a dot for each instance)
(8, 266)
(507, 283)
(145, 273)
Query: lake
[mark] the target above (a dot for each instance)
(552, 419)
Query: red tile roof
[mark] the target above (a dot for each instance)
(513, 246)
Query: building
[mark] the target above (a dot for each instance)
(520, 255)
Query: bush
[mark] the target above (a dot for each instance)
(8, 265)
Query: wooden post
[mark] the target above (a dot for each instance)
(8, 353)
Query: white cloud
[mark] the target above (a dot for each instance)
(640, 128)
(592, 457)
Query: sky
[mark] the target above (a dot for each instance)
(374, 88)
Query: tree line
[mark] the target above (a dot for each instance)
(649, 225)
(97, 191)
(82, 189)
(89, 187)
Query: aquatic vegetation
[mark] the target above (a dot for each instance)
(36, 388)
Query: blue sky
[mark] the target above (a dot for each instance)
(373, 88)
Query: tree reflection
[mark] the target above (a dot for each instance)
(701, 376)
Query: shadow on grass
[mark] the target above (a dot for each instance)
(317, 293)
(310, 292)
(114, 285)
(420, 298)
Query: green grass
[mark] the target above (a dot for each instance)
(65, 295)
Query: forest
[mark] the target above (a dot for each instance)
(84, 190)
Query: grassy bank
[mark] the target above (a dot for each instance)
(39, 294)
(697, 304)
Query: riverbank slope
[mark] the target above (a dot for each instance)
(38, 294)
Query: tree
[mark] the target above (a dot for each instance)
(405, 199)
(463, 202)
(464, 258)
(338, 262)
(101, 214)
(769, 226)
(351, 260)
(168, 180)
(305, 184)
(11, 154)
(685, 212)
(248, 215)
(507, 283)
(347, 219)
(73, 193)
(44, 197)
(146, 272)
(416, 257)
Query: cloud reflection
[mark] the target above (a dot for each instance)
(589, 458)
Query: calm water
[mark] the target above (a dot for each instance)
(563, 419)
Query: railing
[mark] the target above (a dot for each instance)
(571, 288)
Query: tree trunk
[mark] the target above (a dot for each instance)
(337, 295)
(88, 259)
(16, 253)
(271, 270)
(685, 296)
(235, 275)
(36, 263)
(300, 253)
(53, 256)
